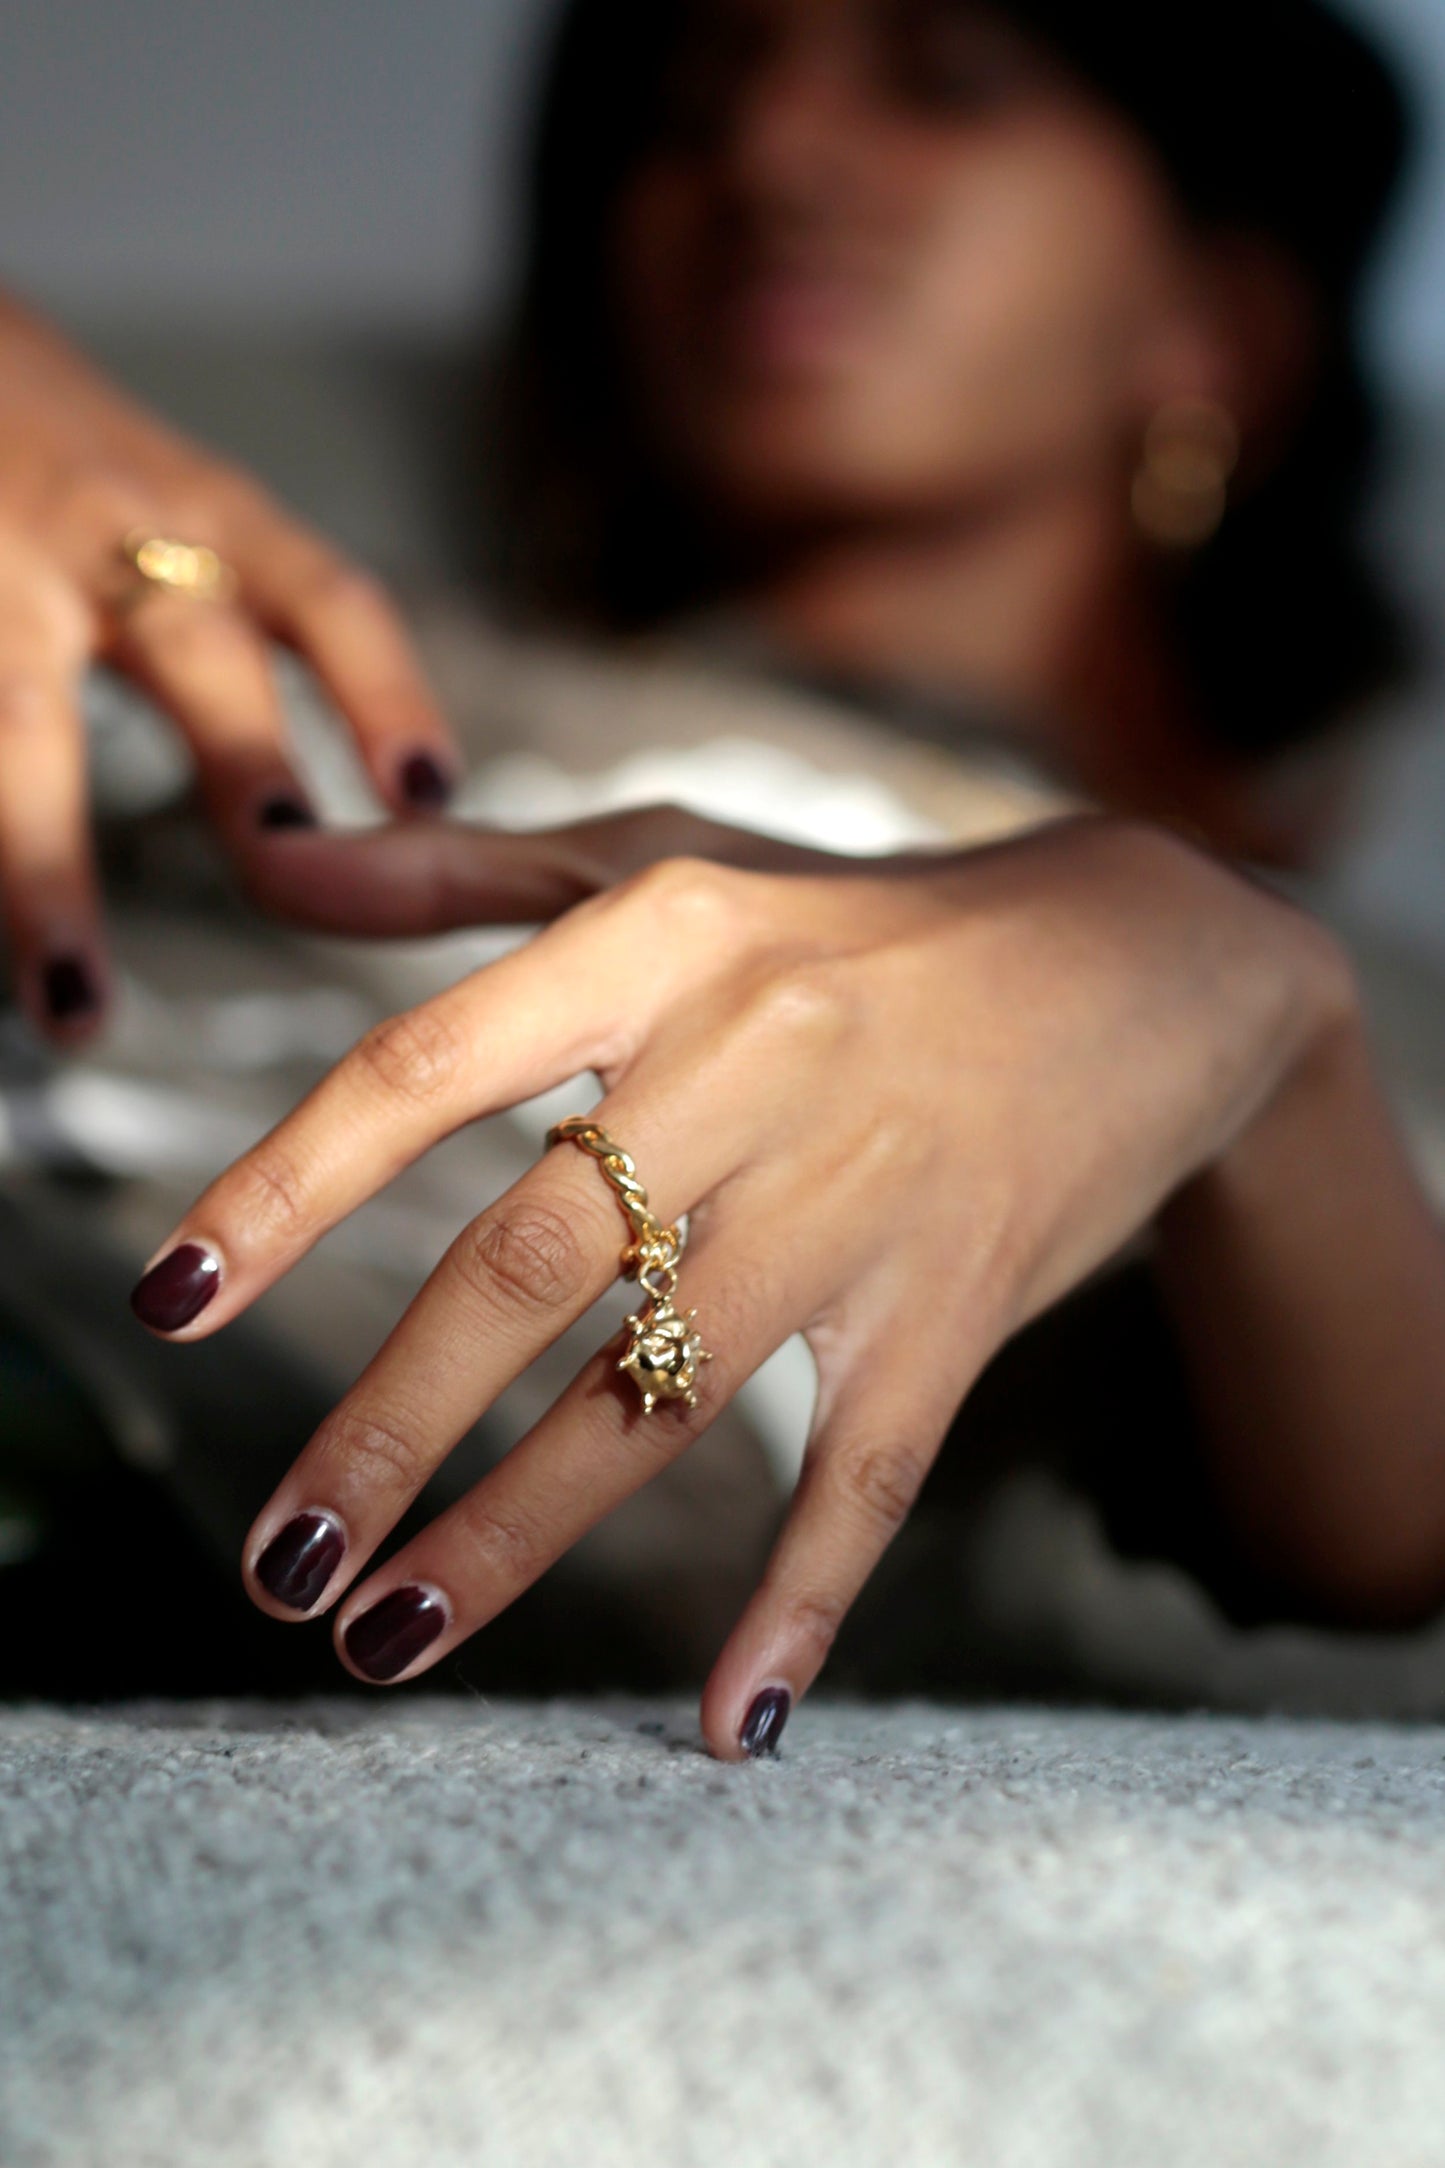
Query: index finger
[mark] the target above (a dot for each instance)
(573, 1000)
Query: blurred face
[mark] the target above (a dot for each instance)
(887, 256)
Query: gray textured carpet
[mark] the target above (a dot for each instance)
(465, 1933)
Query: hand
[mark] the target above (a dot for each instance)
(904, 1116)
(80, 468)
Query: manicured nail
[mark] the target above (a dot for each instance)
(393, 1633)
(763, 1724)
(424, 784)
(70, 989)
(297, 1564)
(283, 811)
(177, 1289)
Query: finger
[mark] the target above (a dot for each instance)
(577, 998)
(593, 1450)
(208, 668)
(862, 1472)
(347, 628)
(48, 888)
(524, 1270)
(405, 882)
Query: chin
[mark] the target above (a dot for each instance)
(784, 457)
(780, 482)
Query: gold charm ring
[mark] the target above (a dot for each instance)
(182, 568)
(664, 1347)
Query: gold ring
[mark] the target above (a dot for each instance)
(182, 568)
(664, 1347)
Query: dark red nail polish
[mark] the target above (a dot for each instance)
(297, 1564)
(393, 1633)
(763, 1724)
(423, 783)
(285, 812)
(177, 1289)
(70, 989)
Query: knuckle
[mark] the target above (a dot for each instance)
(331, 586)
(810, 1001)
(505, 1537)
(107, 501)
(275, 1201)
(530, 1254)
(690, 896)
(415, 1056)
(878, 1486)
(376, 1450)
(814, 1616)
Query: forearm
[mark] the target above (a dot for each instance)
(1307, 1281)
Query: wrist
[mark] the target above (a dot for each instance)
(1324, 1065)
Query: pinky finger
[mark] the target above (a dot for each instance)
(864, 1467)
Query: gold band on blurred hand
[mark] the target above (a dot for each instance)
(182, 568)
(663, 1348)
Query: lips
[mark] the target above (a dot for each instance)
(785, 316)
(784, 322)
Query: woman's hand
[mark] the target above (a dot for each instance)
(82, 467)
(904, 1115)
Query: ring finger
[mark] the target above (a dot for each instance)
(592, 1450)
(209, 670)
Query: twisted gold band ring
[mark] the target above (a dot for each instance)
(664, 1348)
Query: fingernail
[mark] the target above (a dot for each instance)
(384, 1640)
(285, 812)
(763, 1724)
(70, 989)
(297, 1564)
(424, 784)
(177, 1289)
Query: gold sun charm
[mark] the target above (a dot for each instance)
(663, 1354)
(664, 1347)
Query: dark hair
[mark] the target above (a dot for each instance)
(1271, 117)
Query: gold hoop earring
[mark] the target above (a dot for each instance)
(1180, 491)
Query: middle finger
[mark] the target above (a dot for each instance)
(510, 1284)
(592, 1450)
(210, 671)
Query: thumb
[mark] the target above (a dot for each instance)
(418, 878)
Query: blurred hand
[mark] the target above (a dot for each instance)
(905, 1111)
(406, 882)
(81, 467)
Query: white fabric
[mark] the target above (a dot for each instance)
(479, 1936)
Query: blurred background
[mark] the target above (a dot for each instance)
(290, 226)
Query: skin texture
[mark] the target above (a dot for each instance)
(1105, 1031)
(80, 467)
